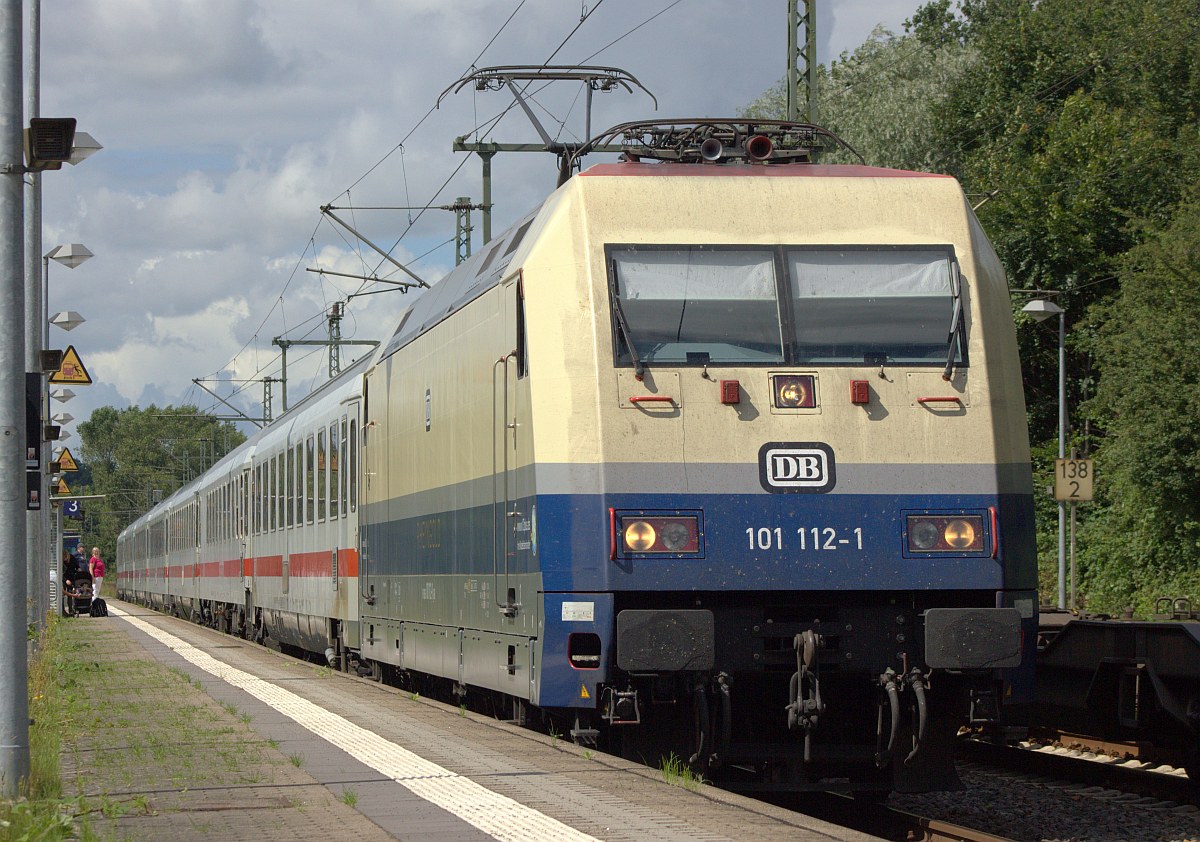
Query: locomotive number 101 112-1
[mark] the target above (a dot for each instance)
(807, 538)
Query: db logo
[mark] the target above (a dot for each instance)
(796, 467)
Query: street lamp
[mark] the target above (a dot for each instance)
(1040, 310)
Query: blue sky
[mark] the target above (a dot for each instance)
(228, 123)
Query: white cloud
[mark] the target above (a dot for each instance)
(151, 356)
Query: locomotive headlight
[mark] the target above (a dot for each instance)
(944, 533)
(959, 533)
(674, 536)
(923, 535)
(660, 534)
(794, 391)
(639, 536)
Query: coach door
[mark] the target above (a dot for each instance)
(511, 444)
(198, 543)
(242, 506)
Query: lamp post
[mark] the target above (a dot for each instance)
(1040, 310)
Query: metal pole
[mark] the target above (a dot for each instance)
(793, 56)
(1074, 592)
(14, 657)
(56, 597)
(810, 59)
(1062, 452)
(37, 522)
(283, 375)
(487, 194)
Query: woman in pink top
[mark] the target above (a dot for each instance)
(96, 568)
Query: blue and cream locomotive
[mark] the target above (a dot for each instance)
(719, 452)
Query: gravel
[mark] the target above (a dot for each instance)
(1033, 809)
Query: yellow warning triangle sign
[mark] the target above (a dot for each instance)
(62, 488)
(583, 693)
(71, 370)
(67, 462)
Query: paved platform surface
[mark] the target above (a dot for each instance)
(197, 735)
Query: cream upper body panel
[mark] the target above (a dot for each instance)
(579, 416)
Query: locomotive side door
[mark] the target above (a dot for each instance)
(512, 447)
(372, 482)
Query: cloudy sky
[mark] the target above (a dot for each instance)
(227, 124)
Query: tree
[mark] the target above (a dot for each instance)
(139, 456)
(1145, 540)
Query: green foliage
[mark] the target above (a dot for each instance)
(136, 456)
(1145, 540)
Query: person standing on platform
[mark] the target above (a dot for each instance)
(96, 568)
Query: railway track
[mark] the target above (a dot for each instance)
(1091, 768)
(885, 822)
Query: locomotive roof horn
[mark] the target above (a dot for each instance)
(759, 147)
(712, 149)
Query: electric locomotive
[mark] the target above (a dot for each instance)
(719, 453)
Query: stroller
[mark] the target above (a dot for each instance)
(77, 597)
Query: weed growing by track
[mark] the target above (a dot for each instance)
(675, 771)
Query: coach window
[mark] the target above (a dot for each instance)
(310, 485)
(345, 469)
(261, 498)
(272, 495)
(353, 465)
(281, 489)
(280, 481)
(290, 504)
(299, 451)
(322, 471)
(334, 487)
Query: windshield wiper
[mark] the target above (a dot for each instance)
(956, 326)
(638, 368)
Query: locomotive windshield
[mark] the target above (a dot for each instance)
(696, 305)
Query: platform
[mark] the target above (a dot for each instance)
(200, 735)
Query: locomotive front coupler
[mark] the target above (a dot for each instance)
(805, 706)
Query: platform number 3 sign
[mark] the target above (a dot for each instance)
(1073, 480)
